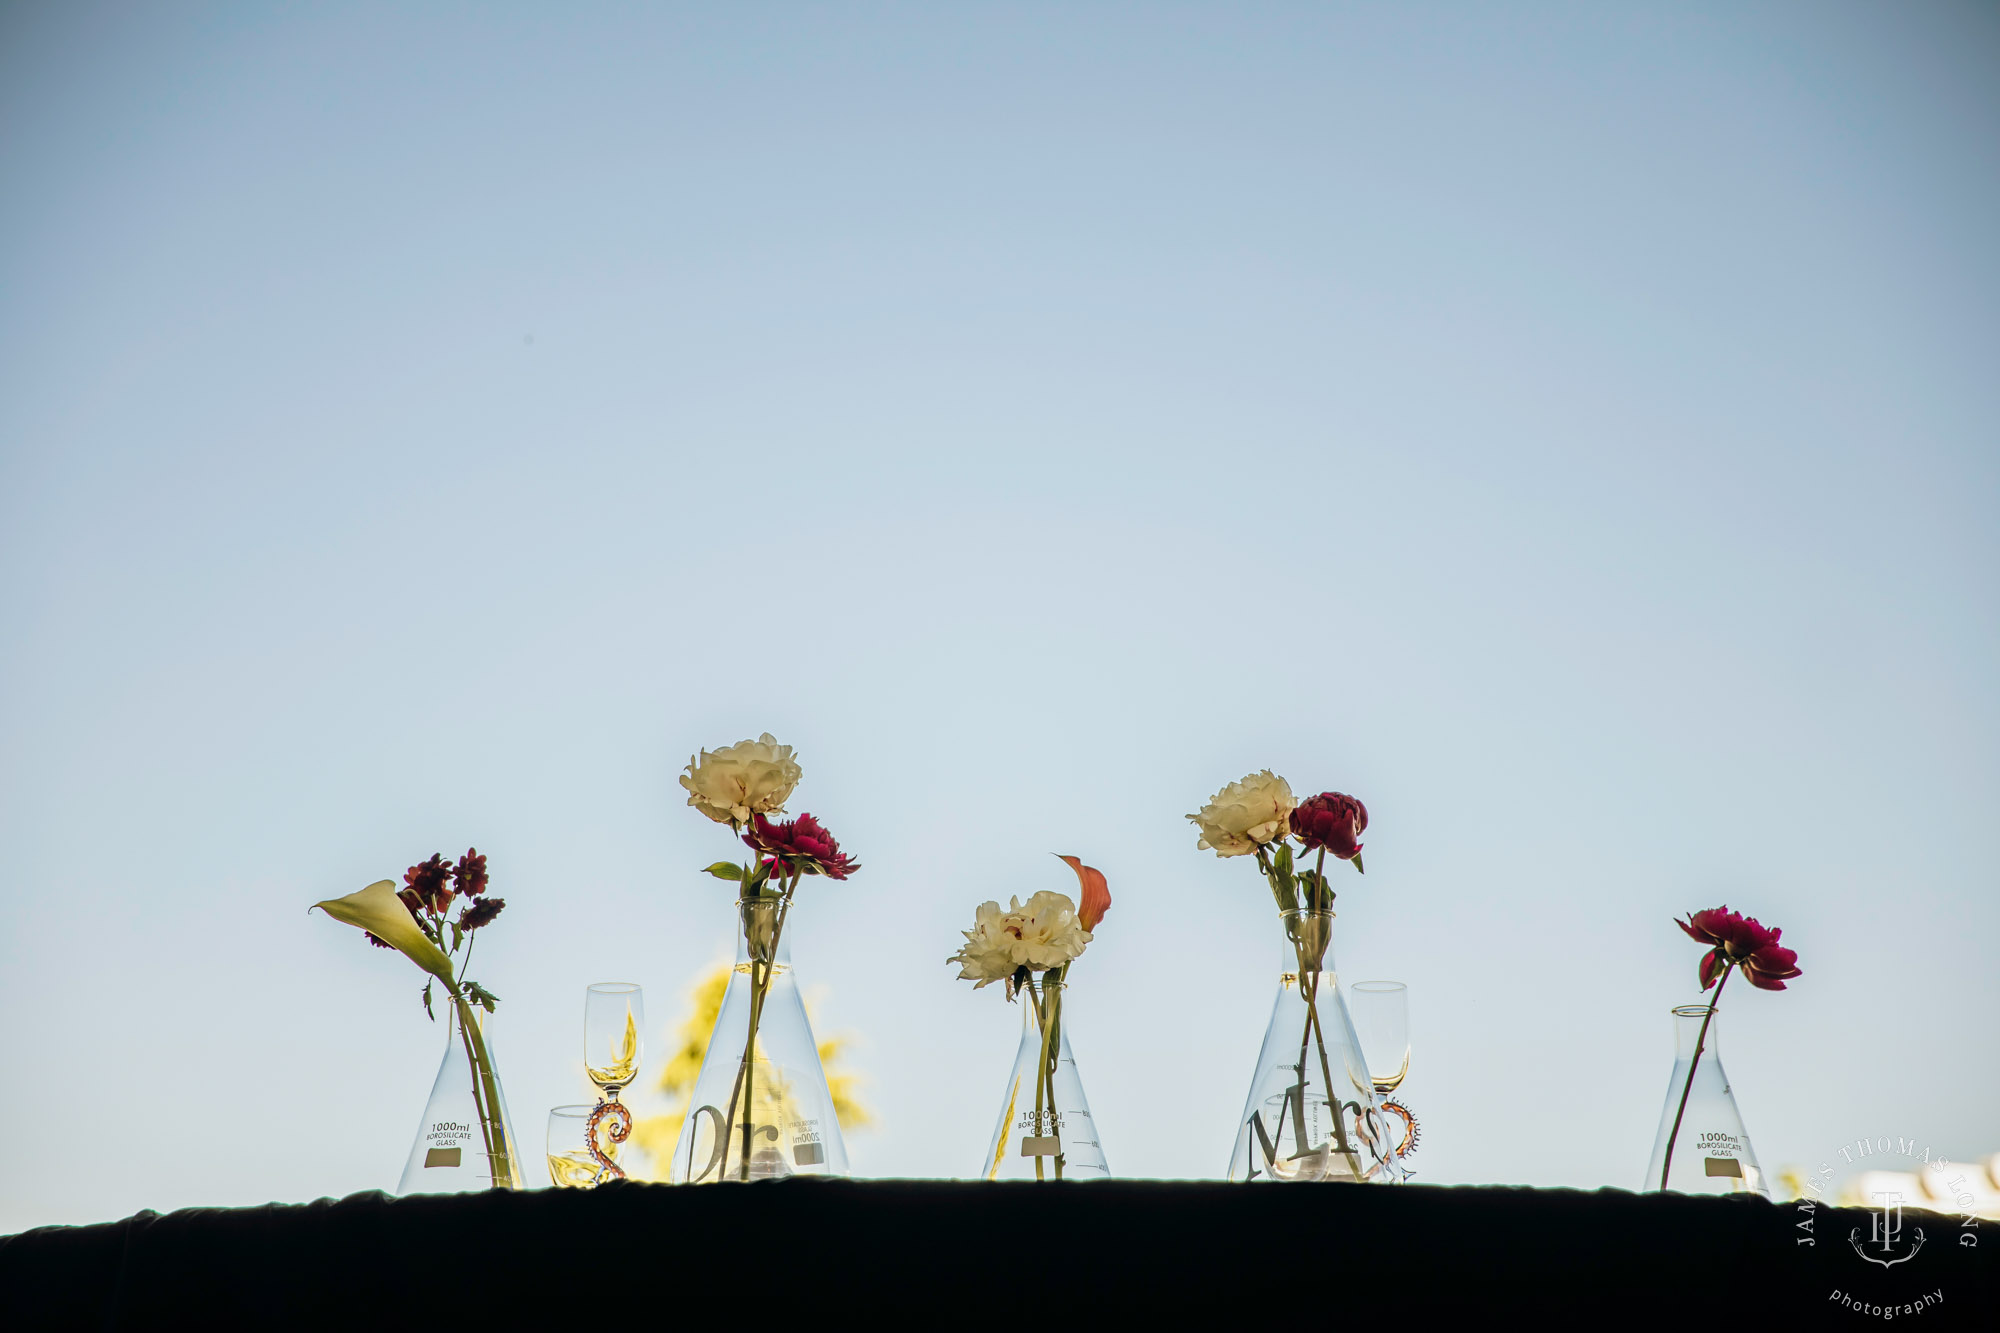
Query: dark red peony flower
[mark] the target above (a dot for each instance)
(429, 884)
(1331, 821)
(481, 912)
(470, 873)
(378, 943)
(798, 846)
(1744, 942)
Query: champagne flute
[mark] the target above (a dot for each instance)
(614, 1016)
(1381, 1014)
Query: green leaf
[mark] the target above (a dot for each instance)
(480, 996)
(427, 1003)
(457, 936)
(1285, 891)
(725, 870)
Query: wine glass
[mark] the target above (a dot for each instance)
(571, 1165)
(1381, 1014)
(614, 1016)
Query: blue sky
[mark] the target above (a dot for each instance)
(1568, 429)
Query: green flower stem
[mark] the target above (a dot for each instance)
(729, 1119)
(1701, 1040)
(1326, 1076)
(757, 989)
(1052, 1058)
(1305, 1043)
(1047, 1014)
(1043, 1011)
(760, 985)
(485, 1086)
(486, 1097)
(1314, 1035)
(461, 1013)
(1282, 888)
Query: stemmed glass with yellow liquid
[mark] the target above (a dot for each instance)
(1381, 1015)
(570, 1164)
(614, 1016)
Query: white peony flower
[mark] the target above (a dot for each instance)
(750, 777)
(1043, 934)
(1247, 812)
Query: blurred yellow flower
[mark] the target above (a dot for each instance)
(656, 1135)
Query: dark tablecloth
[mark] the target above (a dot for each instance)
(1026, 1256)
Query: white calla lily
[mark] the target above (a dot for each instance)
(377, 910)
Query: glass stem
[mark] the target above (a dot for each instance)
(1701, 1040)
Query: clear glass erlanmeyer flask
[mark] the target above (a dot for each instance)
(1058, 1142)
(1711, 1153)
(773, 1114)
(1311, 1113)
(456, 1148)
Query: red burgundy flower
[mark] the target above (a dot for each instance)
(1742, 942)
(428, 886)
(1333, 822)
(470, 873)
(481, 912)
(799, 846)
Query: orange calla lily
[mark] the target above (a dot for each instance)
(1096, 892)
